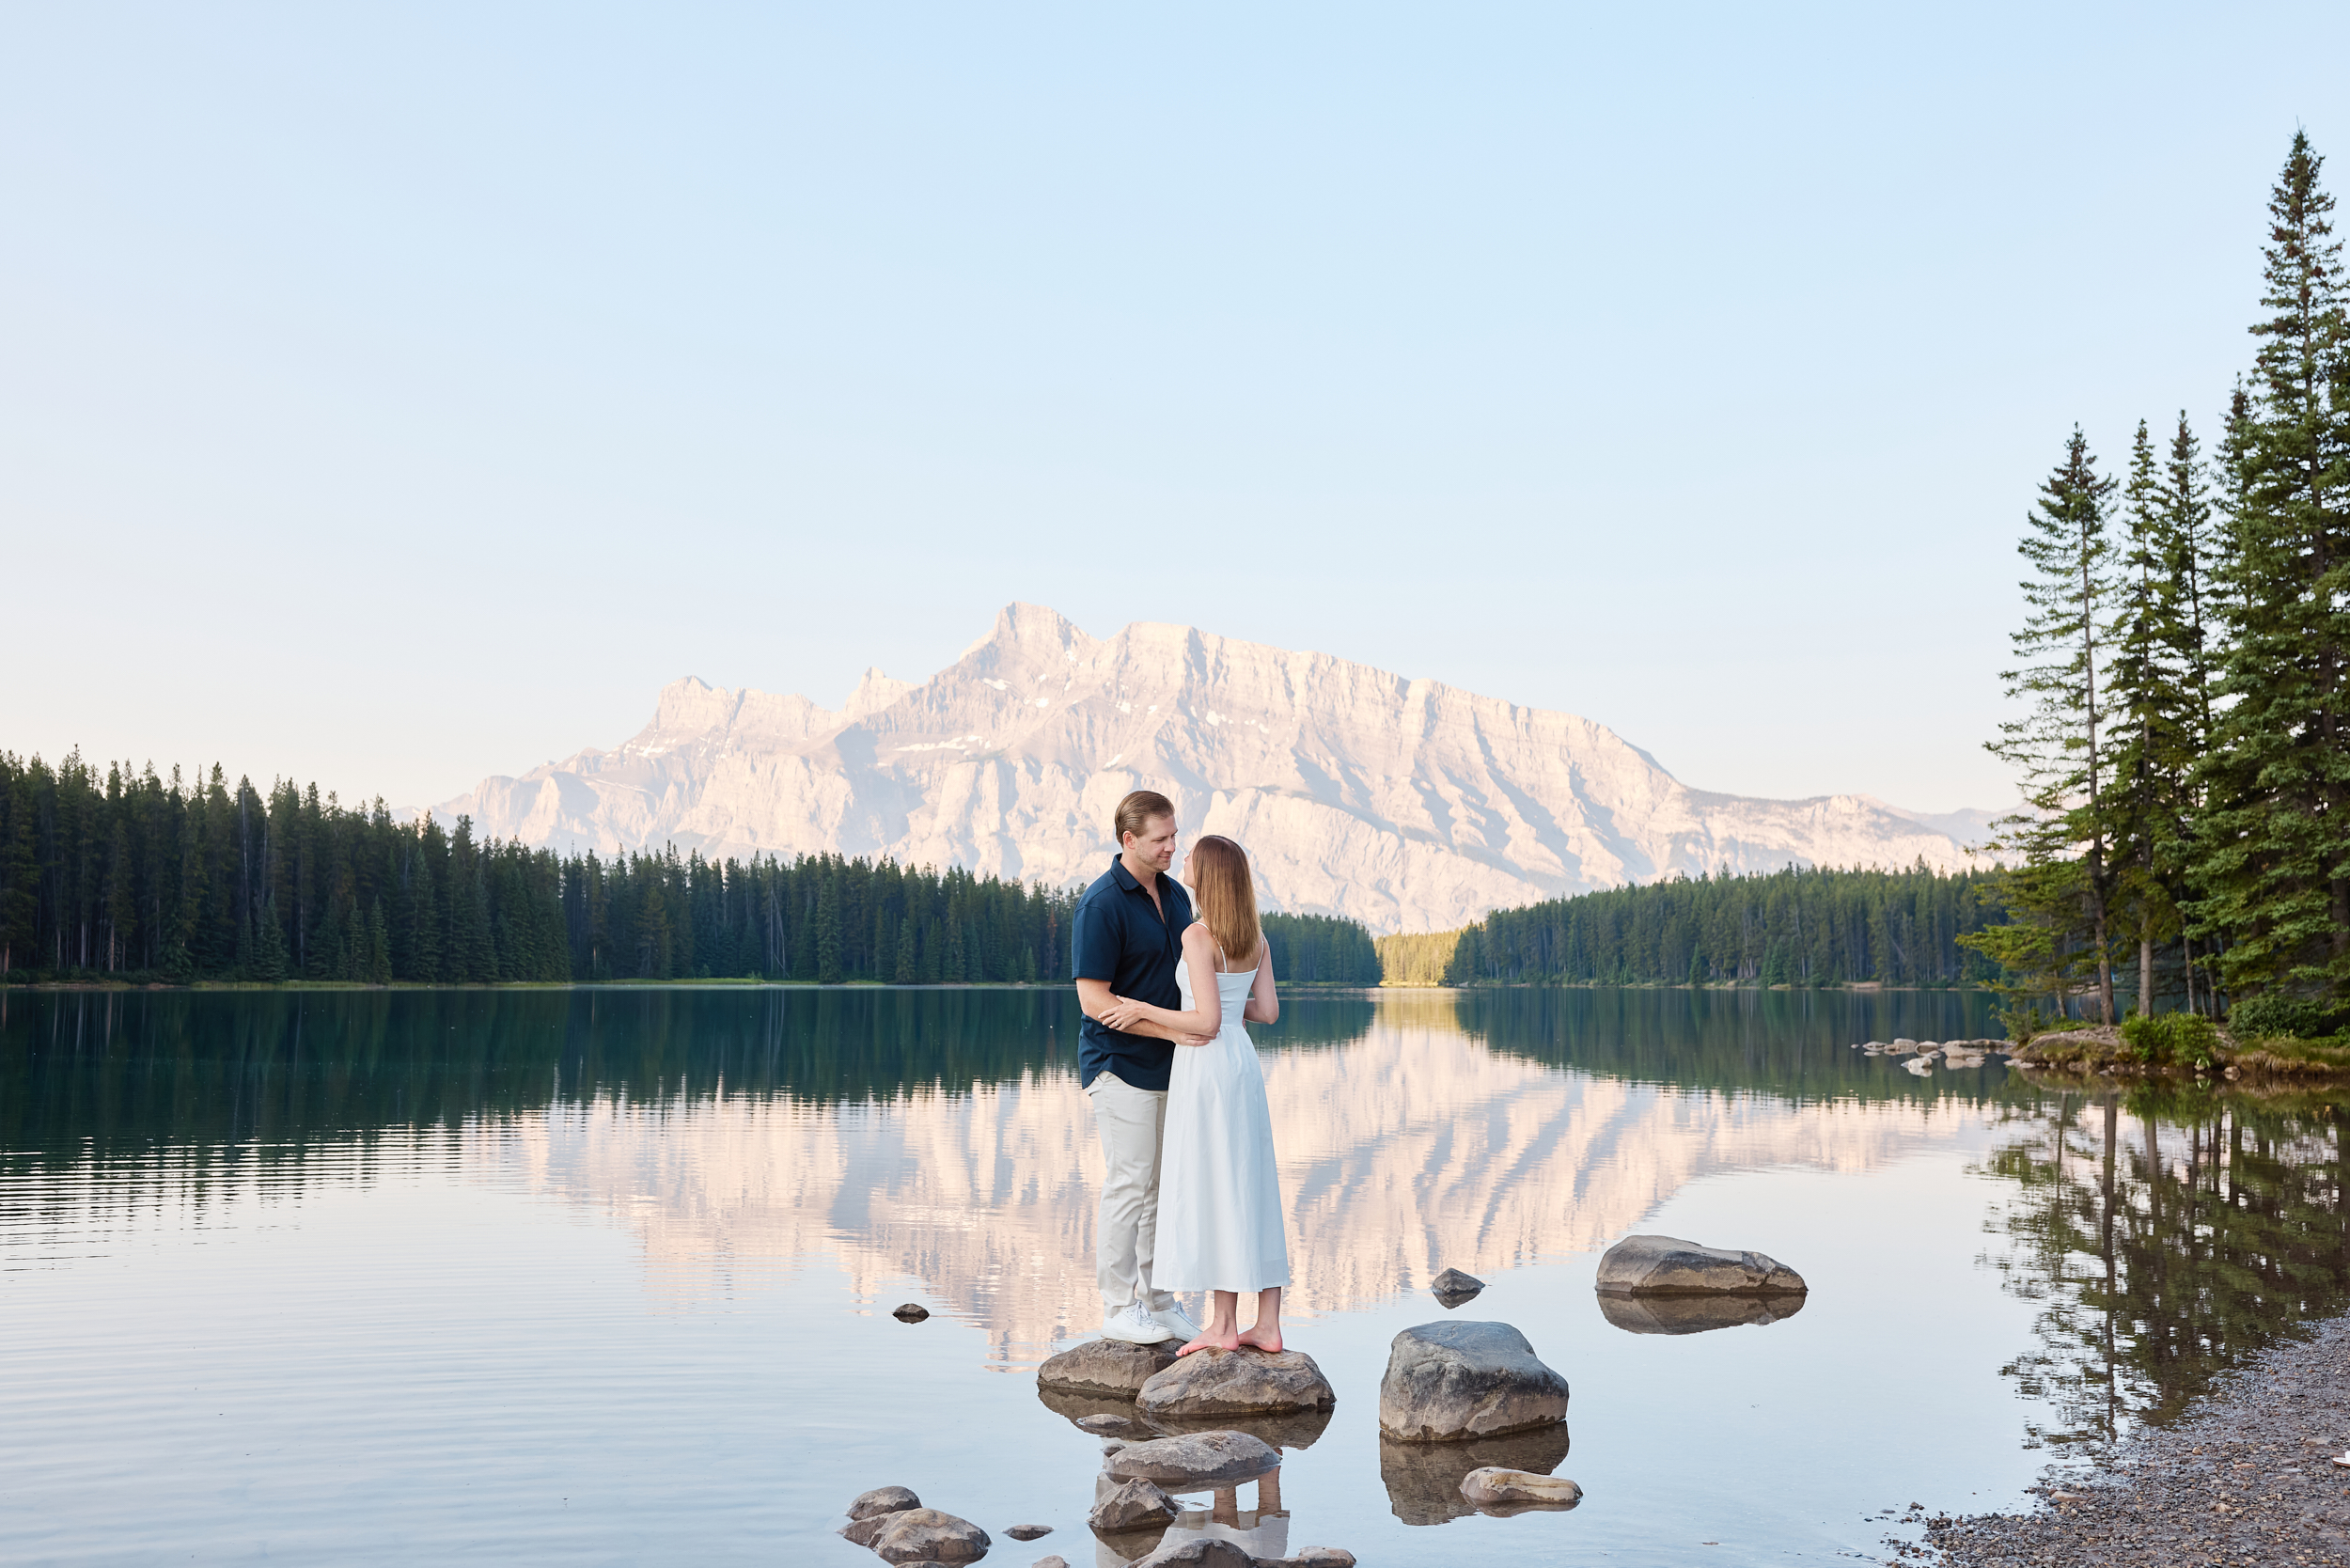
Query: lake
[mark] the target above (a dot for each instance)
(605, 1275)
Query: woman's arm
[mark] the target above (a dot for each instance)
(1263, 1006)
(1206, 1017)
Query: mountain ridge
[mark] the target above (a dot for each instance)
(1401, 802)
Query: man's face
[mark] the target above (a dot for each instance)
(1154, 846)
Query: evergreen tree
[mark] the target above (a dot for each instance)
(379, 968)
(2065, 883)
(2273, 858)
(2156, 725)
(828, 931)
(906, 972)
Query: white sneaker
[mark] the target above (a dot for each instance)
(1170, 1317)
(1133, 1324)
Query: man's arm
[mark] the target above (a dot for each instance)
(1093, 996)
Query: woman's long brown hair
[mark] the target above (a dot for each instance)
(1227, 899)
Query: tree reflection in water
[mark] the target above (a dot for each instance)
(2165, 1234)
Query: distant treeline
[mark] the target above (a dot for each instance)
(128, 875)
(1321, 949)
(1795, 927)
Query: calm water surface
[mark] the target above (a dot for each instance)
(604, 1275)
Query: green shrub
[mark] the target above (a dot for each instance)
(2021, 1022)
(2302, 1017)
(2187, 1038)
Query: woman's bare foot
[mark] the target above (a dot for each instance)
(1212, 1341)
(1266, 1340)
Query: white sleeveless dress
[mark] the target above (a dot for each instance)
(1219, 1193)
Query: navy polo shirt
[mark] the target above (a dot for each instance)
(1118, 936)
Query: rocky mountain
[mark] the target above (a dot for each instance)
(1407, 805)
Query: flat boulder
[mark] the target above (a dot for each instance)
(1132, 1505)
(1494, 1487)
(1110, 1367)
(1450, 1382)
(1663, 1265)
(928, 1535)
(1236, 1383)
(1195, 1460)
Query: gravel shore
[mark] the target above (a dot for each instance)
(2246, 1479)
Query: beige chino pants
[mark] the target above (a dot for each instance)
(1130, 1122)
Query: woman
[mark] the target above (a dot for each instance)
(1220, 1197)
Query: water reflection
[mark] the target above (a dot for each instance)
(936, 1140)
(1695, 1314)
(1423, 1480)
(2165, 1235)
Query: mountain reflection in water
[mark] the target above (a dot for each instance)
(937, 1141)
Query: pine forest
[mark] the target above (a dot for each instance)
(2182, 674)
(1797, 926)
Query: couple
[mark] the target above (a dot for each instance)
(1190, 1201)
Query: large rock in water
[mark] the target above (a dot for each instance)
(927, 1535)
(1195, 1460)
(1109, 1367)
(1695, 1314)
(1132, 1505)
(1664, 1266)
(1448, 1382)
(1236, 1383)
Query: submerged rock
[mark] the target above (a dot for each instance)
(1665, 1265)
(1195, 1460)
(1111, 1426)
(1236, 1382)
(1132, 1505)
(1106, 1367)
(1423, 1480)
(883, 1499)
(1494, 1487)
(1194, 1550)
(1695, 1314)
(927, 1535)
(1447, 1382)
(1028, 1532)
(1312, 1557)
(910, 1312)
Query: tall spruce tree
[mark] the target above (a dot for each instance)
(2273, 858)
(2158, 699)
(2061, 894)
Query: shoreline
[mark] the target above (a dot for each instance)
(2244, 1477)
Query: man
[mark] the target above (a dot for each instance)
(1128, 935)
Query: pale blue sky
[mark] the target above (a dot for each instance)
(396, 395)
